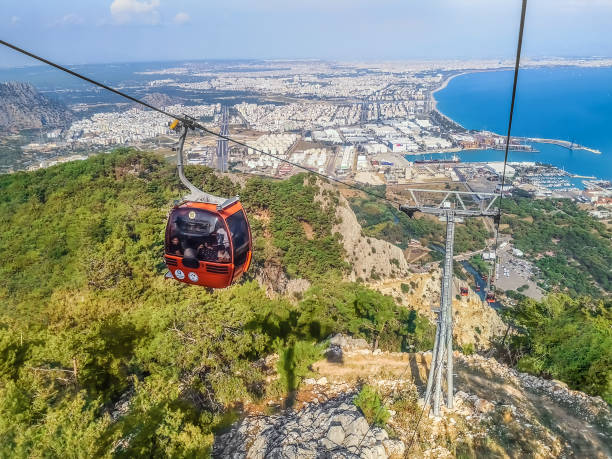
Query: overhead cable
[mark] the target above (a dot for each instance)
(192, 123)
(514, 84)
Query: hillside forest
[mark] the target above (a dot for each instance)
(88, 319)
(102, 356)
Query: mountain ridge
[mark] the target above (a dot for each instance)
(23, 107)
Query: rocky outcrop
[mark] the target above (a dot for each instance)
(474, 321)
(335, 428)
(158, 99)
(370, 258)
(272, 277)
(384, 268)
(591, 409)
(23, 107)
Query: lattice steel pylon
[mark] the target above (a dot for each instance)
(452, 208)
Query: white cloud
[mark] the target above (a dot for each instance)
(68, 20)
(125, 11)
(181, 18)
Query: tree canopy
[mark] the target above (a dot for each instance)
(567, 338)
(101, 356)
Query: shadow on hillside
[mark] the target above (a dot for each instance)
(414, 370)
(289, 370)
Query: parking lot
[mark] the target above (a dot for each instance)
(514, 272)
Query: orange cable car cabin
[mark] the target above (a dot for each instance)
(208, 239)
(464, 291)
(208, 246)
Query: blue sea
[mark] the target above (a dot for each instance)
(567, 103)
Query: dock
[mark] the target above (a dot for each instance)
(588, 177)
(563, 143)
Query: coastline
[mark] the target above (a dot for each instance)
(434, 107)
(432, 99)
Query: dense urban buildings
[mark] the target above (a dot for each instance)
(368, 123)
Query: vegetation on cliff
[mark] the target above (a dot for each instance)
(565, 338)
(99, 355)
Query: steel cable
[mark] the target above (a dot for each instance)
(192, 123)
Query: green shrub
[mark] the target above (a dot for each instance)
(468, 349)
(405, 288)
(369, 401)
(567, 338)
(294, 362)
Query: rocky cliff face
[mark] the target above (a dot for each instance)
(335, 428)
(23, 107)
(384, 268)
(369, 257)
(474, 321)
(498, 412)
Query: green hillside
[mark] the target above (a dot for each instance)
(572, 249)
(100, 356)
(382, 221)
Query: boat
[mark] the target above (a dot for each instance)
(454, 160)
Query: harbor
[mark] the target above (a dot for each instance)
(565, 144)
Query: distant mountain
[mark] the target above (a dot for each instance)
(23, 107)
(158, 99)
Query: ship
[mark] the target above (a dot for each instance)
(454, 160)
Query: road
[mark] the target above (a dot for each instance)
(222, 144)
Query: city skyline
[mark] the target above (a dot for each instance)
(156, 30)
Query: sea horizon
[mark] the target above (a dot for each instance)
(563, 103)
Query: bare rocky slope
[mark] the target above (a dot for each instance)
(498, 412)
(369, 257)
(474, 321)
(23, 107)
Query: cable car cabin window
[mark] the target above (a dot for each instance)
(239, 231)
(197, 235)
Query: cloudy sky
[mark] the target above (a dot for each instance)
(92, 31)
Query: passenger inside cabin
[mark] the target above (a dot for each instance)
(175, 248)
(222, 238)
(207, 252)
(223, 255)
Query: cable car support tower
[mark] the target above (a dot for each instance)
(451, 208)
